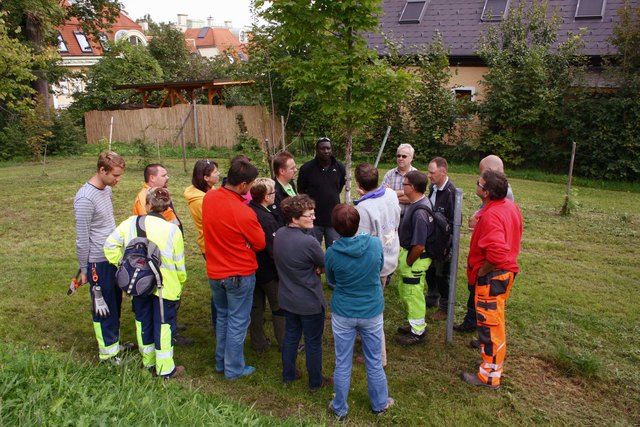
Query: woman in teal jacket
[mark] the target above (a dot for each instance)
(354, 263)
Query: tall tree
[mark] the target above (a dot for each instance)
(16, 63)
(330, 63)
(525, 113)
(123, 64)
(38, 20)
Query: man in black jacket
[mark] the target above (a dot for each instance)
(323, 178)
(442, 194)
(263, 194)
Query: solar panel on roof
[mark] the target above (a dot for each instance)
(203, 32)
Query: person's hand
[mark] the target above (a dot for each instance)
(100, 307)
(473, 220)
(319, 270)
(83, 279)
(360, 191)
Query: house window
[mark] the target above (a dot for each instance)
(83, 42)
(494, 10)
(588, 9)
(465, 96)
(135, 40)
(412, 13)
(62, 45)
(104, 41)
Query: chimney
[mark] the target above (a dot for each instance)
(144, 24)
(227, 24)
(182, 19)
(210, 21)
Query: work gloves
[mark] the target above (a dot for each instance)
(100, 307)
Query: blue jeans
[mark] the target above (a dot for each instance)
(344, 335)
(232, 297)
(312, 326)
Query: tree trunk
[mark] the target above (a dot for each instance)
(33, 32)
(347, 165)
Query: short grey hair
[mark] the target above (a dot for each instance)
(408, 147)
(159, 199)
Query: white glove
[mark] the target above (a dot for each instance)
(100, 307)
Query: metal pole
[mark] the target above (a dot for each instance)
(195, 122)
(453, 271)
(110, 132)
(384, 142)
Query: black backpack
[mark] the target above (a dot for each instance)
(138, 272)
(438, 244)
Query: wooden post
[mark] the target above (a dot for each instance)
(284, 143)
(566, 210)
(195, 122)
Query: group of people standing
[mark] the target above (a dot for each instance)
(262, 241)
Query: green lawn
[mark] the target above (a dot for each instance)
(573, 322)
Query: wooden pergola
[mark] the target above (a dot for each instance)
(175, 90)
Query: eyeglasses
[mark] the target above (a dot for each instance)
(272, 193)
(406, 183)
(309, 216)
(480, 185)
(401, 156)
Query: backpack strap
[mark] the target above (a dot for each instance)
(139, 231)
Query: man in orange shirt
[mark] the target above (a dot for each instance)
(232, 236)
(155, 175)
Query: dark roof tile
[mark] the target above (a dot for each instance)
(459, 23)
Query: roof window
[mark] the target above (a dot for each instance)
(62, 45)
(83, 42)
(589, 9)
(494, 10)
(413, 11)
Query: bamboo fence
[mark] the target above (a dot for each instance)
(217, 125)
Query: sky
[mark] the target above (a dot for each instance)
(236, 11)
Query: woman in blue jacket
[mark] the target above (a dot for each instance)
(354, 263)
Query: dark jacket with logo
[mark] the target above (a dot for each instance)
(324, 186)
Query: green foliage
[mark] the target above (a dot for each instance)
(144, 150)
(250, 147)
(432, 106)
(608, 139)
(67, 136)
(525, 113)
(16, 61)
(167, 46)
(123, 64)
(572, 363)
(329, 63)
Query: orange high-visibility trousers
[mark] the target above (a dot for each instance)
(492, 292)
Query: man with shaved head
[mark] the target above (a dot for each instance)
(494, 163)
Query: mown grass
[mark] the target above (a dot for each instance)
(53, 389)
(572, 319)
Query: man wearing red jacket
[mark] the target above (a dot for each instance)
(492, 266)
(232, 236)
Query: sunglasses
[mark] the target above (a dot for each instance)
(480, 185)
(401, 156)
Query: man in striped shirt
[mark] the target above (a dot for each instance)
(94, 222)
